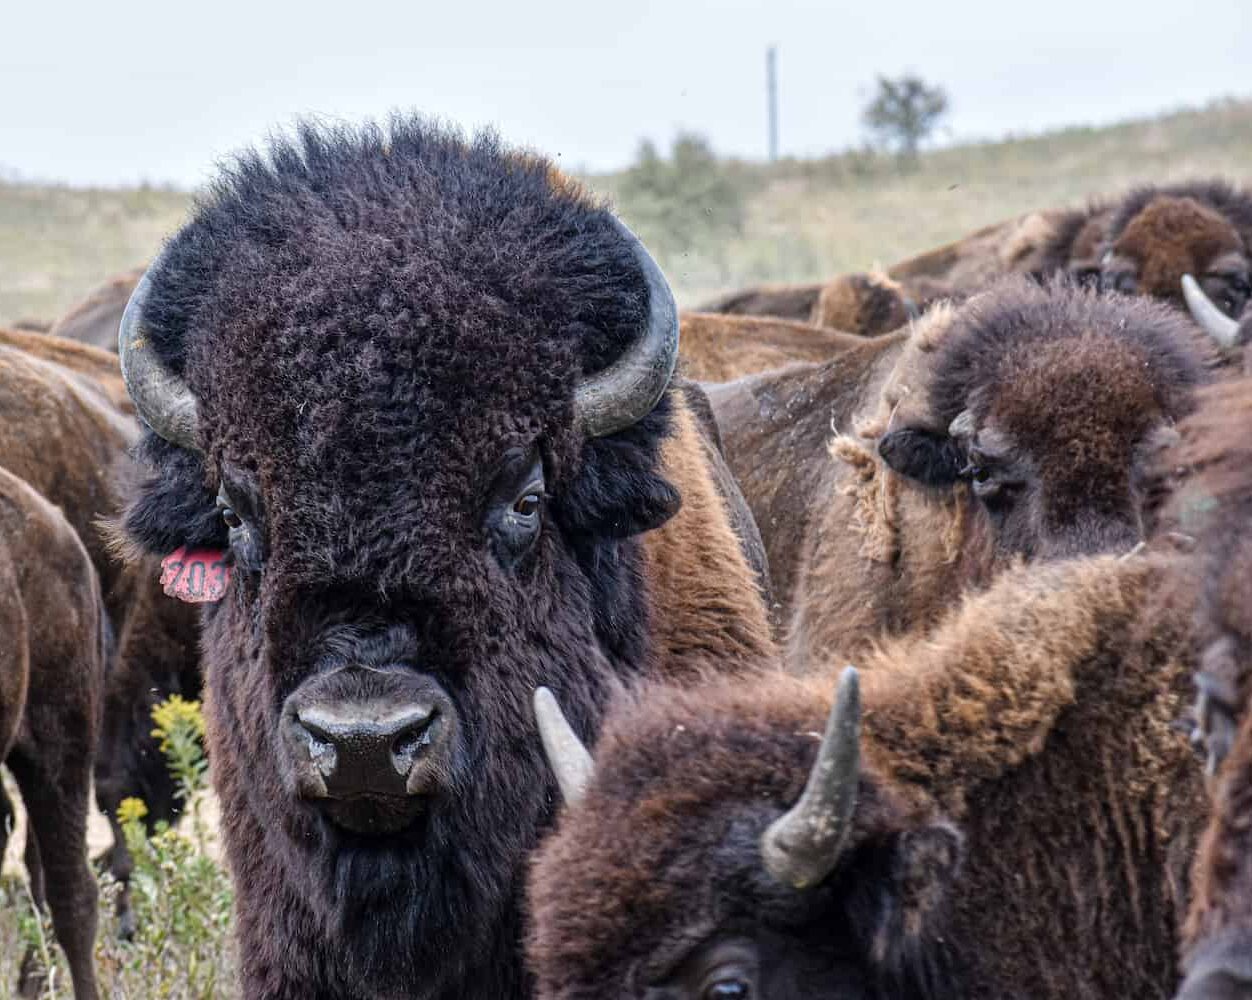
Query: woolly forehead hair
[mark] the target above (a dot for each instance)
(351, 223)
(665, 847)
(1017, 327)
(1234, 204)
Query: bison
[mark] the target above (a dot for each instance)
(1230, 337)
(65, 427)
(1018, 425)
(411, 415)
(95, 319)
(865, 304)
(1212, 504)
(52, 665)
(718, 348)
(1009, 815)
(1157, 234)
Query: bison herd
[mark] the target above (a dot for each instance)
(884, 638)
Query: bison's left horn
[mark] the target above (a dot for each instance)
(962, 425)
(626, 391)
(1212, 320)
(802, 847)
(569, 759)
(163, 400)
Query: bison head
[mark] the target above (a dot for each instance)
(414, 388)
(723, 847)
(1159, 234)
(1047, 404)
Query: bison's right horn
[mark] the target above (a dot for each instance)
(162, 399)
(626, 391)
(1212, 320)
(569, 759)
(802, 847)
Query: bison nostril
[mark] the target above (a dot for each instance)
(411, 741)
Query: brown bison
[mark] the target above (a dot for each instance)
(65, 426)
(718, 348)
(95, 319)
(411, 410)
(1213, 505)
(1157, 234)
(1016, 426)
(52, 665)
(1010, 815)
(867, 305)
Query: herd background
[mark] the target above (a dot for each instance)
(728, 224)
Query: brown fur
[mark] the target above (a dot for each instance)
(717, 348)
(63, 433)
(868, 305)
(864, 304)
(96, 318)
(52, 666)
(1212, 504)
(1171, 237)
(706, 595)
(793, 302)
(968, 265)
(1038, 716)
(856, 549)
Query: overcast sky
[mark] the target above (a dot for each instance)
(114, 93)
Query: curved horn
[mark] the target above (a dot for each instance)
(802, 847)
(162, 399)
(962, 425)
(569, 759)
(626, 391)
(1212, 320)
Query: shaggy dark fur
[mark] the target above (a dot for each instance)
(65, 426)
(1212, 504)
(1037, 717)
(879, 526)
(52, 667)
(1075, 245)
(371, 320)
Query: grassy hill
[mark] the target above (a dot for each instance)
(793, 220)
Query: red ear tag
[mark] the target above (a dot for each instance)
(197, 577)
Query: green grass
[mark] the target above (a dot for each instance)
(801, 219)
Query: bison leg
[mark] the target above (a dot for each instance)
(55, 785)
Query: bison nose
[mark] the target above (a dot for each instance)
(371, 749)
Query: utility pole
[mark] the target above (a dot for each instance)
(771, 88)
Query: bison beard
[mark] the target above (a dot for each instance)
(371, 324)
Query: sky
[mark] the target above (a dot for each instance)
(132, 91)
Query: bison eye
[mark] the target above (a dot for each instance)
(728, 989)
(515, 510)
(528, 505)
(232, 519)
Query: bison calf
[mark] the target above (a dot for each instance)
(1016, 426)
(52, 660)
(722, 846)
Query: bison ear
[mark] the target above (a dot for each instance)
(921, 871)
(926, 863)
(169, 506)
(924, 456)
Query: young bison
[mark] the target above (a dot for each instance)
(1018, 425)
(412, 417)
(722, 848)
(1213, 504)
(52, 664)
